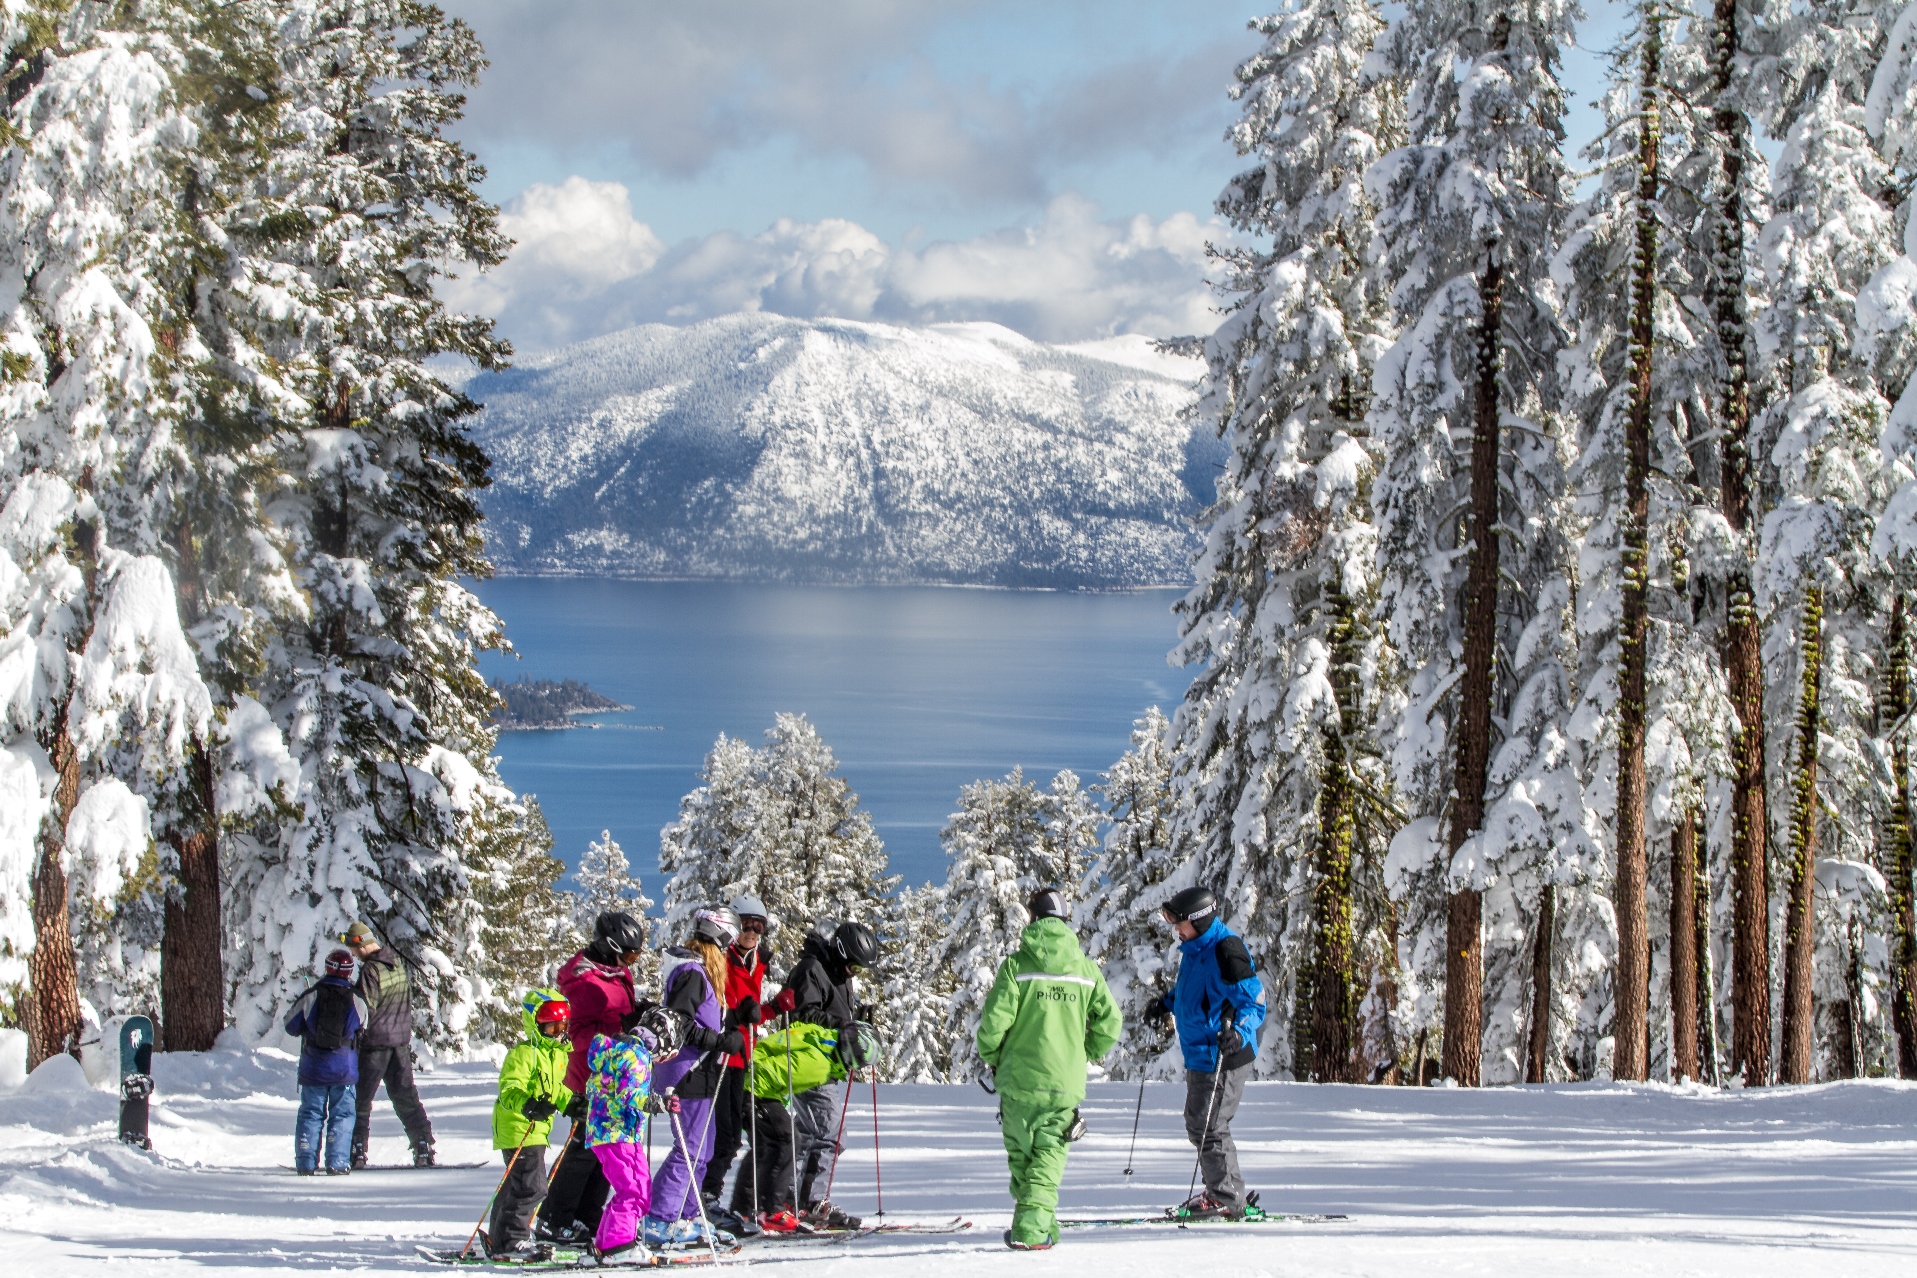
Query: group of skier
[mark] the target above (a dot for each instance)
(702, 1051)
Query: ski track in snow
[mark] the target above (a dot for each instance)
(1558, 1180)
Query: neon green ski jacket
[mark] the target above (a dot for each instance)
(1048, 1013)
(811, 1053)
(534, 1066)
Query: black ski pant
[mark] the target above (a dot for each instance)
(394, 1067)
(818, 1114)
(770, 1160)
(519, 1194)
(579, 1187)
(729, 1114)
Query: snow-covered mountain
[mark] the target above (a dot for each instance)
(755, 446)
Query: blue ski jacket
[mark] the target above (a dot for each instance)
(1215, 973)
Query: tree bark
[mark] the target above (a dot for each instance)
(1332, 972)
(1632, 1058)
(52, 968)
(1684, 948)
(1540, 1043)
(192, 980)
(1800, 944)
(1464, 915)
(1743, 653)
(1903, 996)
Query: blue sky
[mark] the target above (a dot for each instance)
(907, 160)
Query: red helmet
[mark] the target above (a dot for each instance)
(553, 1016)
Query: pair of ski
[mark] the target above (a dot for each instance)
(1171, 1217)
(578, 1258)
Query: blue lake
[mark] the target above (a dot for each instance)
(918, 691)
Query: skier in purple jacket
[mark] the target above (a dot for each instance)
(692, 981)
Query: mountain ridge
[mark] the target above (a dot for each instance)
(759, 447)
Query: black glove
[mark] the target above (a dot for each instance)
(732, 1042)
(745, 1011)
(1157, 1009)
(576, 1107)
(1230, 1042)
(538, 1109)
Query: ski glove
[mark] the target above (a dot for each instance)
(745, 1011)
(576, 1107)
(732, 1042)
(662, 1104)
(538, 1109)
(1230, 1041)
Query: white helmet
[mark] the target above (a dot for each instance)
(751, 907)
(717, 924)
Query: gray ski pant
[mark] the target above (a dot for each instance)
(1217, 1154)
(815, 1115)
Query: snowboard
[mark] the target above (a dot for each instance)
(576, 1258)
(136, 1080)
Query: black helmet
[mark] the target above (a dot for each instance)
(855, 945)
(1046, 903)
(622, 933)
(1195, 905)
(663, 1027)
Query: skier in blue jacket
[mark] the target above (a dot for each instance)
(1217, 1005)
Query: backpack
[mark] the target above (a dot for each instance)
(326, 1022)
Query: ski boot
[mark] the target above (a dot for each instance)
(656, 1233)
(568, 1235)
(628, 1255)
(1076, 1132)
(731, 1222)
(827, 1215)
(781, 1222)
(1200, 1207)
(338, 1171)
(358, 1161)
(1016, 1245)
(423, 1156)
(689, 1235)
(1251, 1210)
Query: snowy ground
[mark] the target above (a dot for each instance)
(1549, 1181)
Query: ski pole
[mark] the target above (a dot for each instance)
(712, 1243)
(487, 1210)
(791, 1115)
(1217, 1077)
(1136, 1115)
(877, 1179)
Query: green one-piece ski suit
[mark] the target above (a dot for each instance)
(1047, 1015)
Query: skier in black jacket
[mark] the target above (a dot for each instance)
(385, 1048)
(819, 989)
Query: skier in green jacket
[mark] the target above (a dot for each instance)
(1047, 1015)
(532, 1089)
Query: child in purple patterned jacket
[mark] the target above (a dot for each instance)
(618, 1098)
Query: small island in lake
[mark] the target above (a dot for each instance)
(534, 704)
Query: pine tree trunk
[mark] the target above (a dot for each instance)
(1684, 948)
(1706, 981)
(1540, 1043)
(1800, 945)
(1633, 931)
(1333, 969)
(1464, 916)
(52, 968)
(1903, 999)
(1743, 653)
(192, 981)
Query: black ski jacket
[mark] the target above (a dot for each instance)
(819, 989)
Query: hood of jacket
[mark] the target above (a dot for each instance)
(528, 1016)
(820, 948)
(1050, 944)
(1204, 940)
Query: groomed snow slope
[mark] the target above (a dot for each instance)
(762, 447)
(1589, 1179)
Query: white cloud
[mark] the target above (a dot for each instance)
(584, 266)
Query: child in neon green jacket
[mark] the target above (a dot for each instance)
(532, 1089)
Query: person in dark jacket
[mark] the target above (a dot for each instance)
(820, 990)
(1217, 1004)
(599, 989)
(386, 1047)
(327, 1019)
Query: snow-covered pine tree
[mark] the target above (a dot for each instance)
(101, 696)
(913, 992)
(606, 882)
(712, 852)
(781, 824)
(1284, 806)
(821, 862)
(1817, 447)
(1652, 722)
(1119, 899)
(529, 926)
(375, 686)
(1469, 500)
(1000, 842)
(1886, 340)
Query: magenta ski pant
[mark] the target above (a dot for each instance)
(676, 1196)
(625, 1166)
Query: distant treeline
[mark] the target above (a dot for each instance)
(545, 703)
